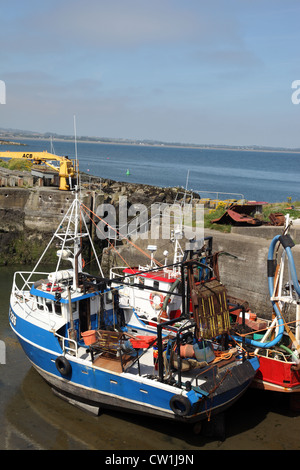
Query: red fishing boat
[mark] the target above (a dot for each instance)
(277, 342)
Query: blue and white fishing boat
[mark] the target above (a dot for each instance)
(72, 330)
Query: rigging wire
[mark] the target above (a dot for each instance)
(123, 237)
(112, 245)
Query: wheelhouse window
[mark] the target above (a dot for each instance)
(48, 305)
(57, 308)
(40, 303)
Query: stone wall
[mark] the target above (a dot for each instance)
(28, 218)
(14, 178)
(38, 209)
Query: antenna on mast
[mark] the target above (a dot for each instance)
(76, 159)
(186, 186)
(51, 145)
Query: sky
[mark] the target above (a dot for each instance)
(192, 71)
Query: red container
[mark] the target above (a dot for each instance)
(142, 341)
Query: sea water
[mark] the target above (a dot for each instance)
(224, 174)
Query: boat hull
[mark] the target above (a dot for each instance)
(277, 376)
(95, 387)
(95, 399)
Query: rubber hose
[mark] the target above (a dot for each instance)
(288, 350)
(269, 344)
(293, 269)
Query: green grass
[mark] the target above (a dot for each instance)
(18, 164)
(283, 208)
(212, 214)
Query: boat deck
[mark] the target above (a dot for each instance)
(145, 366)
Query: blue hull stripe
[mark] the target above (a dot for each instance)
(92, 382)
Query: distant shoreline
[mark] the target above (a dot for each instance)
(148, 144)
(9, 142)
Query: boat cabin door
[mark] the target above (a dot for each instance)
(84, 315)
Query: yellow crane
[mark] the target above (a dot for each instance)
(67, 169)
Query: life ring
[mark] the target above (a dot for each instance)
(63, 366)
(53, 287)
(180, 405)
(154, 303)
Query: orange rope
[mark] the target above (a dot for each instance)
(222, 355)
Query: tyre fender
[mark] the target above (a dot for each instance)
(63, 366)
(180, 405)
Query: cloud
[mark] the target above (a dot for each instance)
(98, 23)
(121, 24)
